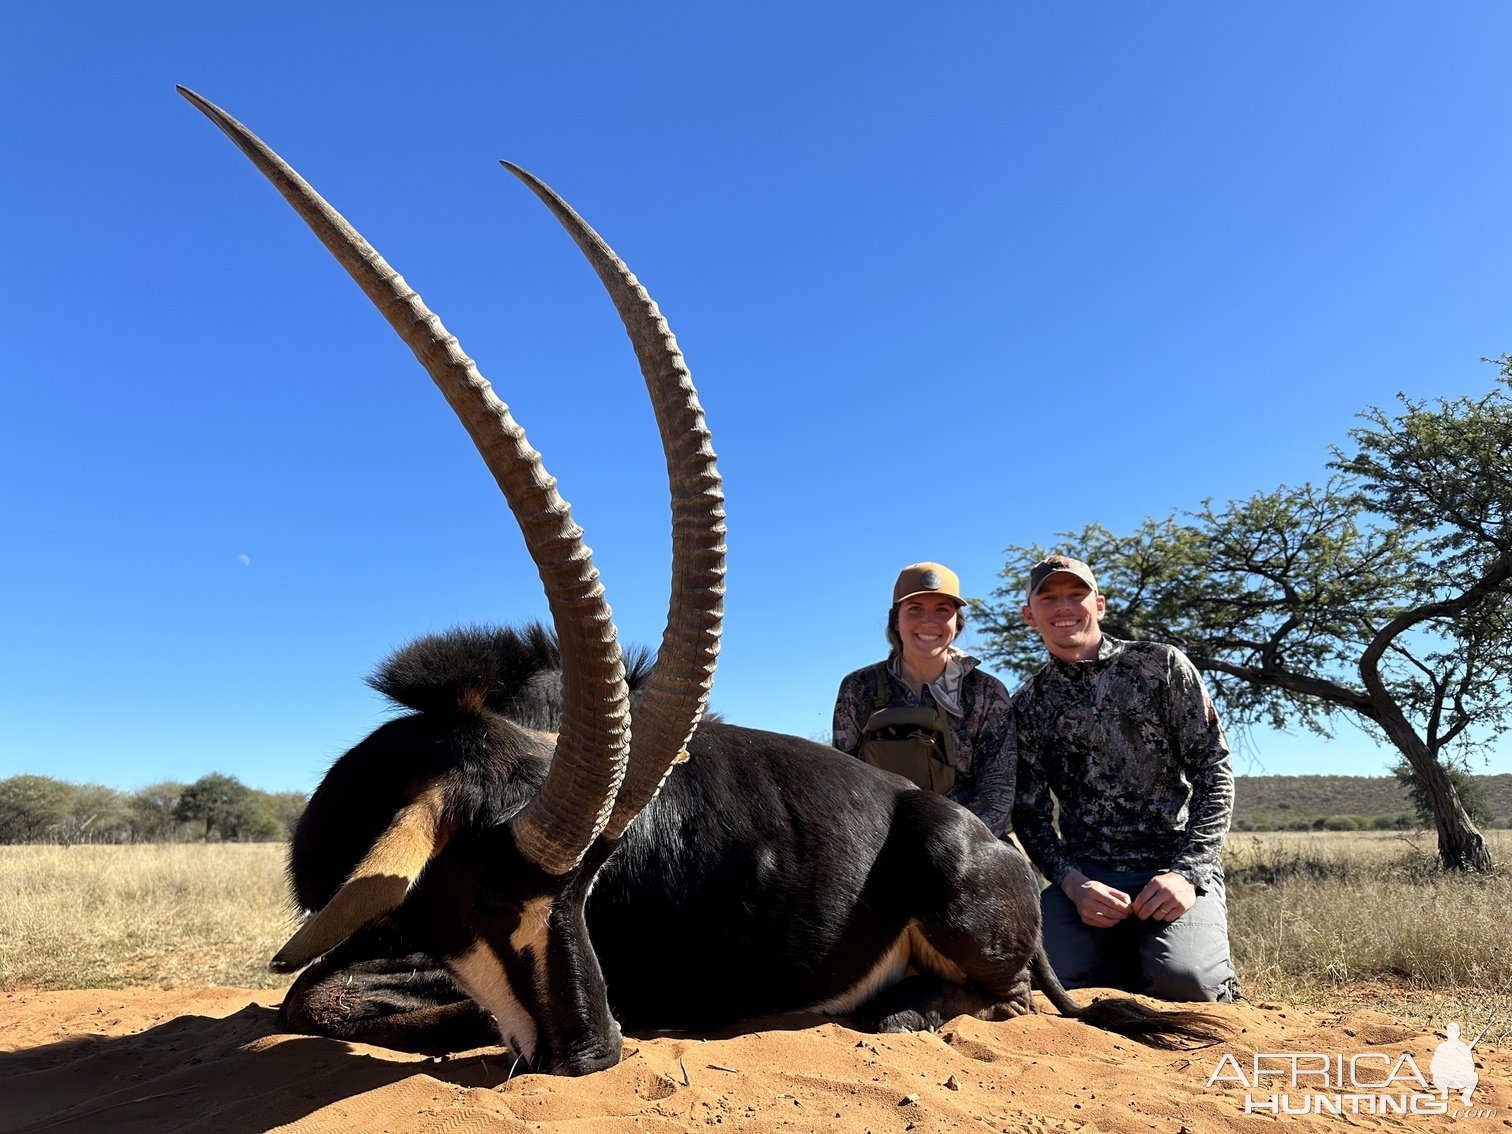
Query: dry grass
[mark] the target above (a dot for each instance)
(1337, 920)
(167, 916)
(1366, 920)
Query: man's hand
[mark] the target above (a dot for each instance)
(1165, 897)
(1099, 905)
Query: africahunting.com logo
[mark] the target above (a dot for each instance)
(1367, 1082)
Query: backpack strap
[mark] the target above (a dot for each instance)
(884, 688)
(947, 734)
(941, 718)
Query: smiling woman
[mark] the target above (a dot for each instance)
(927, 712)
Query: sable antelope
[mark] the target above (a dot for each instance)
(509, 861)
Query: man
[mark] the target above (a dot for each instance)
(1125, 736)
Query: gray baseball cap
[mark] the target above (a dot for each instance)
(1058, 565)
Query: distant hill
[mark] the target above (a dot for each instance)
(1280, 803)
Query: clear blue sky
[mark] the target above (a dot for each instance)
(950, 277)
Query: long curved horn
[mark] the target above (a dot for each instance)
(668, 710)
(573, 805)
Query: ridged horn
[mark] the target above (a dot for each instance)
(585, 774)
(667, 711)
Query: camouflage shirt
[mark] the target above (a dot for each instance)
(1132, 748)
(985, 759)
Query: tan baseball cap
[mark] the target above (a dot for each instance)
(927, 579)
(1058, 565)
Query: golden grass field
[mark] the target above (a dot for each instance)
(169, 915)
(1337, 920)
(1366, 920)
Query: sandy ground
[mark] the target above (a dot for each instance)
(213, 1060)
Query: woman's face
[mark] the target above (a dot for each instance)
(926, 626)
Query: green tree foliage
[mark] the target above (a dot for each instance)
(153, 817)
(38, 809)
(31, 807)
(1385, 593)
(286, 807)
(91, 807)
(227, 809)
(1468, 787)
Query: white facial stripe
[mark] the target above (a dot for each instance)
(483, 978)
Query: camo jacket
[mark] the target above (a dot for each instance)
(985, 759)
(1131, 746)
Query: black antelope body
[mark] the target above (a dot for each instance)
(509, 861)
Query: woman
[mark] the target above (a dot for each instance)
(927, 712)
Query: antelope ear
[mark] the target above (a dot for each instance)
(377, 886)
(359, 902)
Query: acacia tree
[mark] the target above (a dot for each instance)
(153, 817)
(226, 805)
(286, 807)
(95, 813)
(1385, 593)
(30, 806)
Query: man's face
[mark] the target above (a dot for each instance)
(1066, 613)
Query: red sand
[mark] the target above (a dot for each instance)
(212, 1060)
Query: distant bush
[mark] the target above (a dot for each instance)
(215, 808)
(1342, 823)
(1308, 803)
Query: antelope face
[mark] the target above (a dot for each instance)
(503, 906)
(514, 937)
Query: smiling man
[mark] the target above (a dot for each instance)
(1124, 735)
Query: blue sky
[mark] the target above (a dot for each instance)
(949, 277)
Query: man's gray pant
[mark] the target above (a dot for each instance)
(1185, 959)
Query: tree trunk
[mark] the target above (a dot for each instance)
(1461, 846)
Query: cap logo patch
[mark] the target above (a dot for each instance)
(931, 581)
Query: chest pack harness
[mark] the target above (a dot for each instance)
(914, 741)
